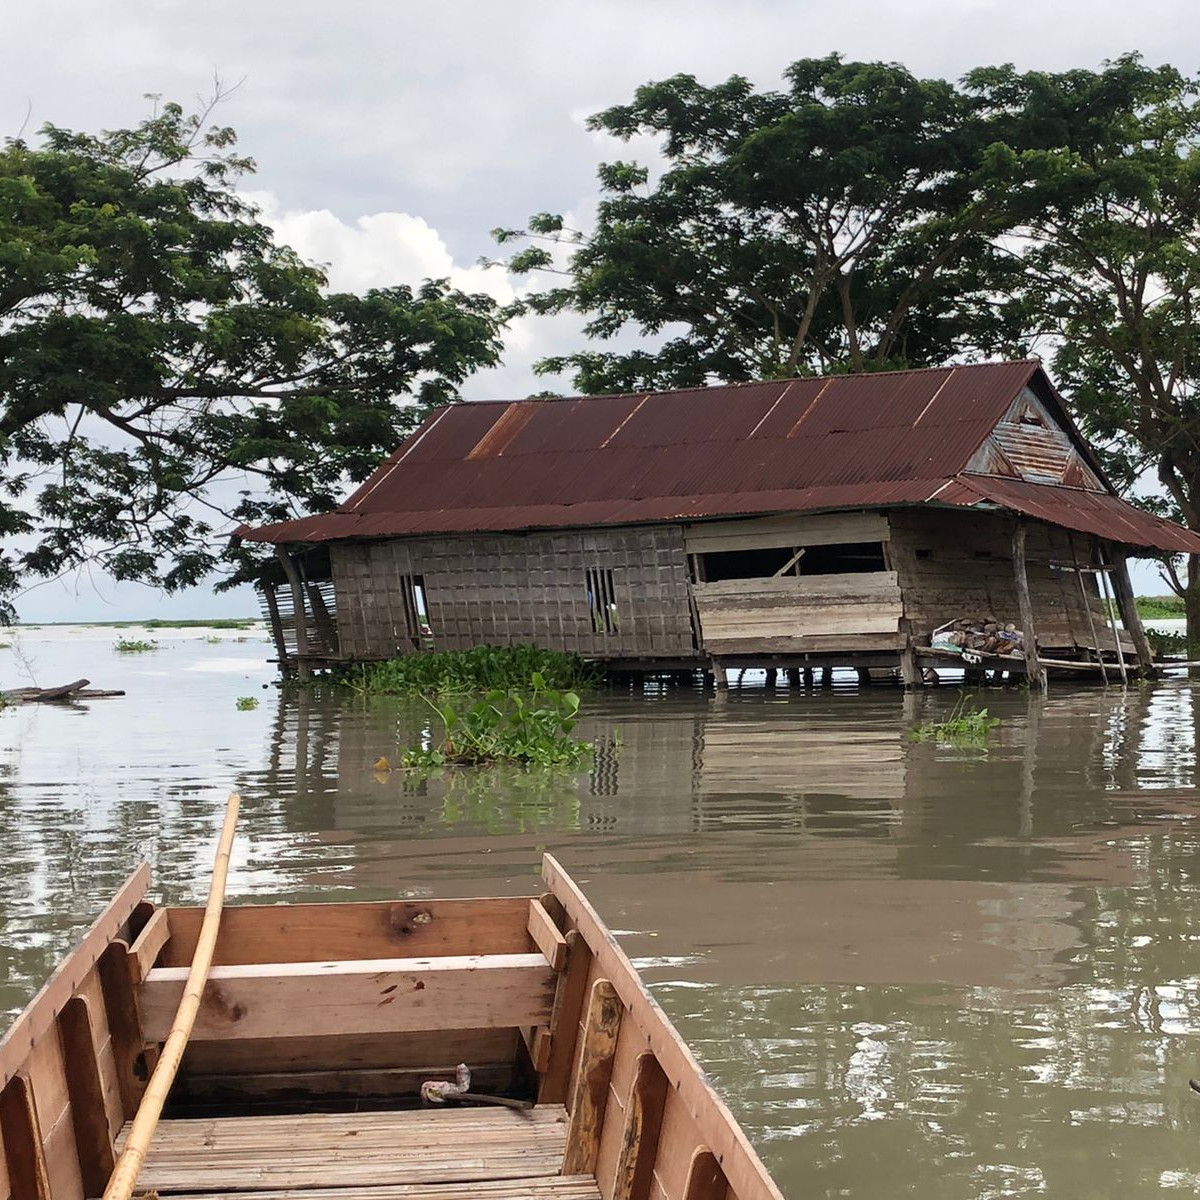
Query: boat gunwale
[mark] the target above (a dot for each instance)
(745, 1173)
(36, 1019)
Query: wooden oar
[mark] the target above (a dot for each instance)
(145, 1121)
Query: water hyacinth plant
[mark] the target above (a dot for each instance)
(505, 726)
(134, 646)
(472, 672)
(965, 726)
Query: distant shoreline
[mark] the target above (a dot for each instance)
(151, 623)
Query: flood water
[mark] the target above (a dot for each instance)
(911, 968)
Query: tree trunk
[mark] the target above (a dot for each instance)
(1191, 606)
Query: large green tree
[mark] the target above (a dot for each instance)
(167, 368)
(845, 223)
(1102, 174)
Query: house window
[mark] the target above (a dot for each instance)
(416, 611)
(847, 558)
(602, 600)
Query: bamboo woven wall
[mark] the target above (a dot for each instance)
(508, 589)
(965, 570)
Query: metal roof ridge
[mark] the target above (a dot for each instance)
(746, 383)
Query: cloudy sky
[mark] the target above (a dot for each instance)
(392, 136)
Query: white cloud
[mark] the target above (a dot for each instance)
(388, 248)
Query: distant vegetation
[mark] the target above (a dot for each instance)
(472, 672)
(155, 623)
(1161, 608)
(506, 727)
(134, 646)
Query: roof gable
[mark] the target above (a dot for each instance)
(1029, 443)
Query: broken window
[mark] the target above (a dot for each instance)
(416, 611)
(847, 558)
(602, 600)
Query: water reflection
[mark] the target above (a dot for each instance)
(912, 967)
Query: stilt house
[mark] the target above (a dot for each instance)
(841, 521)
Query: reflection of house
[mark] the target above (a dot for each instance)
(804, 521)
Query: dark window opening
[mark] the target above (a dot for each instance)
(846, 558)
(416, 610)
(602, 600)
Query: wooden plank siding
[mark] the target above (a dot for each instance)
(786, 614)
(952, 564)
(507, 589)
(775, 532)
(511, 589)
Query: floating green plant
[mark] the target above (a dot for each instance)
(506, 727)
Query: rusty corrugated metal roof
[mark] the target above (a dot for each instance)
(848, 441)
(1105, 515)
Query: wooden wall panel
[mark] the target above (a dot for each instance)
(765, 533)
(510, 589)
(965, 570)
(742, 611)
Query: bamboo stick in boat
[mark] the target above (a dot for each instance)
(145, 1120)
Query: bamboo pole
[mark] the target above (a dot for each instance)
(145, 1121)
(1033, 667)
(1110, 606)
(1087, 608)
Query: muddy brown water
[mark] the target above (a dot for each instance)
(912, 969)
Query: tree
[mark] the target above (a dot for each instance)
(1102, 170)
(167, 369)
(844, 224)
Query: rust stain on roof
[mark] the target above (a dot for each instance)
(849, 441)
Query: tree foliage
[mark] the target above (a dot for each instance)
(847, 223)
(168, 369)
(1103, 174)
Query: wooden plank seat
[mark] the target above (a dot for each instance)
(356, 1154)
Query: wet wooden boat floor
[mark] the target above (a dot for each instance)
(434, 1154)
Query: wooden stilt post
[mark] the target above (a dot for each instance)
(303, 669)
(910, 673)
(1127, 606)
(276, 624)
(1033, 666)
